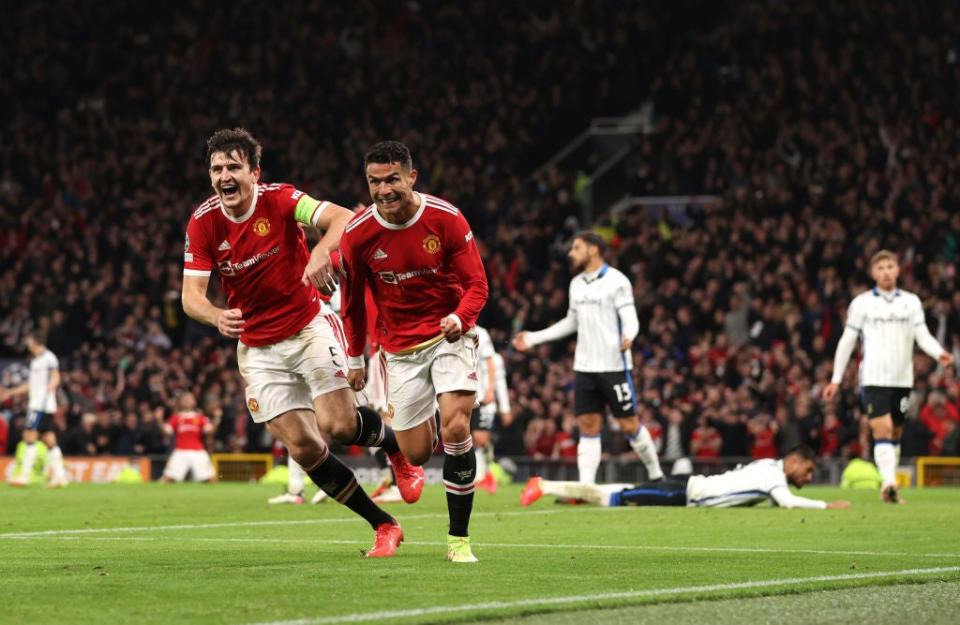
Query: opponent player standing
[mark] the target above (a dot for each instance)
(290, 351)
(188, 427)
(418, 255)
(602, 313)
(41, 391)
(889, 320)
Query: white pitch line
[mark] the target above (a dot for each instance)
(481, 545)
(602, 597)
(155, 528)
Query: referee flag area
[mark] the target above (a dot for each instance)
(191, 553)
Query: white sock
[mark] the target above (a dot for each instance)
(481, 454)
(295, 477)
(588, 458)
(593, 493)
(55, 459)
(29, 458)
(643, 445)
(885, 458)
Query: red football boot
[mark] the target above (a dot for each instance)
(488, 483)
(409, 477)
(531, 492)
(389, 536)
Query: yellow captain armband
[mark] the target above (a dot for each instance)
(308, 210)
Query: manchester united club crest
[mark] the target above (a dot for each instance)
(253, 404)
(262, 226)
(431, 244)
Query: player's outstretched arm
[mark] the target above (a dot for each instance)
(200, 308)
(320, 271)
(7, 393)
(565, 327)
(782, 496)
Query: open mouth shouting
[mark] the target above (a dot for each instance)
(230, 191)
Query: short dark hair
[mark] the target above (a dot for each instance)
(37, 335)
(228, 140)
(388, 152)
(592, 238)
(805, 452)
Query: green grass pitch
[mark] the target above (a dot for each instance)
(219, 554)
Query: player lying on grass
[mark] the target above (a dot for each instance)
(746, 485)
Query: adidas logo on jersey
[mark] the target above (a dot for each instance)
(224, 246)
(379, 254)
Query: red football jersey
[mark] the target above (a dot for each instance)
(419, 272)
(188, 428)
(260, 258)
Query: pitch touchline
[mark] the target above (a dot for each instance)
(153, 528)
(601, 597)
(481, 545)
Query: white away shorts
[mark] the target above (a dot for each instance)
(287, 375)
(415, 378)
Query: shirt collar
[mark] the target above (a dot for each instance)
(596, 275)
(242, 218)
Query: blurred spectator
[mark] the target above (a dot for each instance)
(819, 147)
(763, 433)
(105, 431)
(79, 440)
(128, 435)
(705, 441)
(940, 418)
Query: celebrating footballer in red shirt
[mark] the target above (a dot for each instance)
(188, 427)
(291, 348)
(418, 256)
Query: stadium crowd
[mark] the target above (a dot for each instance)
(741, 302)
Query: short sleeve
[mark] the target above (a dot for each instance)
(304, 209)
(855, 317)
(173, 422)
(197, 260)
(52, 361)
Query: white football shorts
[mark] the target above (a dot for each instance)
(416, 376)
(287, 375)
(197, 461)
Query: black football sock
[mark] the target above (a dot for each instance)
(337, 480)
(373, 432)
(459, 473)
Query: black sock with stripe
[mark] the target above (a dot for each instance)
(459, 473)
(373, 432)
(337, 480)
